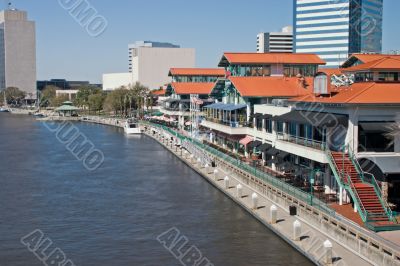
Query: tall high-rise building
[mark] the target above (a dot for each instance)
(333, 29)
(276, 42)
(17, 52)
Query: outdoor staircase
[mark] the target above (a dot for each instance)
(366, 194)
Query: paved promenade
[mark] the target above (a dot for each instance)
(311, 239)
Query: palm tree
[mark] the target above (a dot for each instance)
(393, 131)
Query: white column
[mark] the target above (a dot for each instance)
(340, 195)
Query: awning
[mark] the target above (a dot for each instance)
(282, 154)
(272, 152)
(313, 118)
(264, 147)
(246, 140)
(226, 107)
(254, 144)
(375, 127)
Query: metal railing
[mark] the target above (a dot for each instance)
(320, 145)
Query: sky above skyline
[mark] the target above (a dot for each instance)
(66, 50)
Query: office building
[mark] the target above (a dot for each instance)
(335, 29)
(17, 52)
(276, 42)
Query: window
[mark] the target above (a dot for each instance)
(251, 70)
(372, 137)
(304, 70)
(364, 77)
(388, 76)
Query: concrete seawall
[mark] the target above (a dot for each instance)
(351, 245)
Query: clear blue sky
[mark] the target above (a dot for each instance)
(65, 50)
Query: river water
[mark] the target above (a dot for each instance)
(114, 214)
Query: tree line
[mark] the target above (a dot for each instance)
(121, 101)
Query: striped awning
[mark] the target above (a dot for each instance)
(246, 140)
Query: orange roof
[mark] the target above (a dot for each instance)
(270, 58)
(384, 63)
(359, 93)
(215, 72)
(270, 86)
(192, 87)
(366, 58)
(331, 71)
(159, 92)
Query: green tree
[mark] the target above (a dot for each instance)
(96, 101)
(140, 95)
(14, 95)
(82, 97)
(116, 101)
(47, 96)
(59, 100)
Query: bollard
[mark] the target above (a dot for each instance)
(296, 230)
(254, 200)
(328, 252)
(274, 214)
(199, 162)
(239, 191)
(191, 158)
(206, 167)
(226, 181)
(216, 174)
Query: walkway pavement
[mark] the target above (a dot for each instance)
(311, 240)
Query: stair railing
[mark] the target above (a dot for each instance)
(360, 206)
(372, 180)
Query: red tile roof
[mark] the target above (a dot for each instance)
(359, 93)
(365, 58)
(384, 63)
(158, 92)
(271, 58)
(192, 87)
(214, 72)
(271, 86)
(331, 71)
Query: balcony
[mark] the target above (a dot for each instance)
(306, 148)
(174, 111)
(228, 127)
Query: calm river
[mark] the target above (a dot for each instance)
(113, 215)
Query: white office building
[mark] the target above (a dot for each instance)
(276, 42)
(151, 62)
(17, 52)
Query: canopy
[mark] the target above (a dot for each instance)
(254, 144)
(65, 108)
(246, 140)
(264, 147)
(313, 118)
(272, 151)
(226, 107)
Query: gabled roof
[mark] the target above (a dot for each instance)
(182, 88)
(366, 58)
(270, 58)
(212, 72)
(359, 93)
(270, 86)
(159, 92)
(384, 63)
(331, 71)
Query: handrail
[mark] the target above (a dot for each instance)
(373, 182)
(302, 141)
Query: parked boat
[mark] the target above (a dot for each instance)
(131, 128)
(4, 110)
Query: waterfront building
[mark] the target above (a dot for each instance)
(276, 42)
(294, 122)
(187, 82)
(335, 29)
(17, 52)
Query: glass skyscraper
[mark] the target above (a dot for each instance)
(333, 29)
